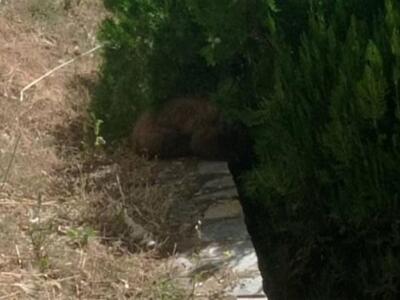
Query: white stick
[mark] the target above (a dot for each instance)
(21, 97)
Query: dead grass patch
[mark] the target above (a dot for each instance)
(59, 204)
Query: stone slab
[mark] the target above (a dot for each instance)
(215, 196)
(224, 209)
(213, 168)
(223, 230)
(249, 287)
(225, 182)
(238, 256)
(245, 261)
(221, 256)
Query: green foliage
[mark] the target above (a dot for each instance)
(152, 55)
(80, 236)
(317, 83)
(327, 143)
(39, 234)
(162, 49)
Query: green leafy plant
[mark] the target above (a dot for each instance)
(39, 233)
(317, 85)
(328, 156)
(98, 139)
(80, 236)
(162, 49)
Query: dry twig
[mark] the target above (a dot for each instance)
(7, 172)
(21, 96)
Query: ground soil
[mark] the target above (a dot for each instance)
(62, 203)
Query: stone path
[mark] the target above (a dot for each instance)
(221, 262)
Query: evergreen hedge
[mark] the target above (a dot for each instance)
(317, 85)
(327, 143)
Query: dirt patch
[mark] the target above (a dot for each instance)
(62, 226)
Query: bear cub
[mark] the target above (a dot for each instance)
(190, 126)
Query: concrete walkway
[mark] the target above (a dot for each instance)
(222, 263)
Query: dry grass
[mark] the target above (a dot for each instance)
(58, 205)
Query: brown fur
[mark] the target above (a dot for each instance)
(182, 127)
(205, 143)
(188, 114)
(151, 139)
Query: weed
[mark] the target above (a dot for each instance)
(80, 236)
(5, 174)
(96, 126)
(166, 289)
(39, 235)
(68, 4)
(45, 10)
